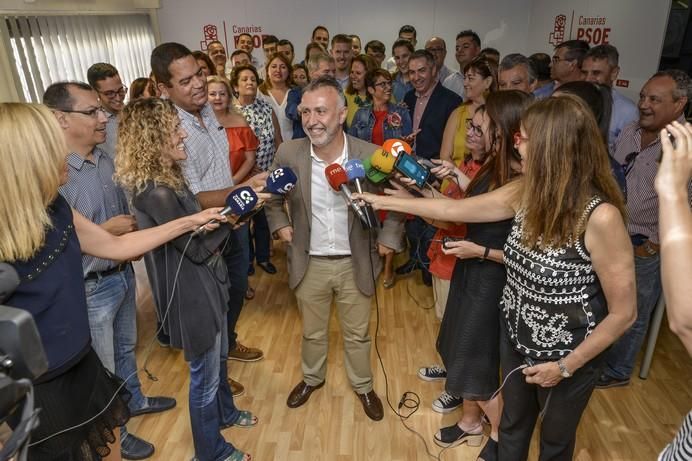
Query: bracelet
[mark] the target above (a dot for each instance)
(485, 253)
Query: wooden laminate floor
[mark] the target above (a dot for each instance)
(631, 423)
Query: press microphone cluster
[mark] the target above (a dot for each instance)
(243, 201)
(396, 155)
(338, 180)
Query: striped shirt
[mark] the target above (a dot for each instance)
(642, 199)
(108, 146)
(208, 166)
(91, 191)
(680, 449)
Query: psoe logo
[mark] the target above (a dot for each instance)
(557, 36)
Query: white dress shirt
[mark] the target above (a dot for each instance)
(329, 225)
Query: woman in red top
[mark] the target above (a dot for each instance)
(241, 139)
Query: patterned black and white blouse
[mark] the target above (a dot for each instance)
(553, 299)
(259, 117)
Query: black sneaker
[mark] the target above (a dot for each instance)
(432, 373)
(446, 403)
(606, 382)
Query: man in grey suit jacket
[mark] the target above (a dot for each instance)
(330, 257)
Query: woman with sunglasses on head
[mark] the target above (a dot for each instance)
(480, 79)
(82, 404)
(570, 277)
(150, 145)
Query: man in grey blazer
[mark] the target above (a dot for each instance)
(330, 256)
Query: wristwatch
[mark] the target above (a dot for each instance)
(564, 372)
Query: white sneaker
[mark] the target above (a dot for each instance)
(432, 373)
(446, 403)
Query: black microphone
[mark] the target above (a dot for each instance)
(240, 202)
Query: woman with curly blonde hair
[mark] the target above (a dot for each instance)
(150, 145)
(43, 240)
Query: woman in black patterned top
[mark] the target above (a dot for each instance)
(570, 277)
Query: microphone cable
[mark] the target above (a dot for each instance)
(409, 399)
(147, 354)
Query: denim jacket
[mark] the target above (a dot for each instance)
(364, 122)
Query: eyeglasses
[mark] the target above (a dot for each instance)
(384, 84)
(93, 113)
(473, 128)
(122, 91)
(518, 138)
(437, 49)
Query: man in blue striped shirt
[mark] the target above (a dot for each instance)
(110, 285)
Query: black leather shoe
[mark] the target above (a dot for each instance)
(267, 267)
(132, 447)
(154, 405)
(301, 393)
(406, 268)
(372, 405)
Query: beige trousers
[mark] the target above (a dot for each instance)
(328, 280)
(440, 294)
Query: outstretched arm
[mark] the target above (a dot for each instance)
(96, 241)
(494, 206)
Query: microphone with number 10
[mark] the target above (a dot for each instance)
(338, 180)
(281, 181)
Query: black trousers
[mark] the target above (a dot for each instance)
(524, 402)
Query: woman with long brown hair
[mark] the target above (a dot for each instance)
(570, 277)
(468, 341)
(356, 93)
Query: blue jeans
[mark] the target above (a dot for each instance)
(211, 402)
(260, 238)
(622, 355)
(112, 309)
(236, 257)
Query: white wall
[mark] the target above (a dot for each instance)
(502, 24)
(635, 27)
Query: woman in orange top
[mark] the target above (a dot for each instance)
(241, 139)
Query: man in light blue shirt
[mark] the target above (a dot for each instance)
(601, 66)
